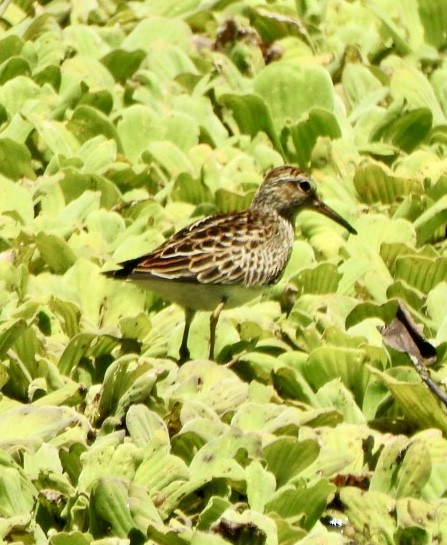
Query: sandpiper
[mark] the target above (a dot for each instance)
(227, 259)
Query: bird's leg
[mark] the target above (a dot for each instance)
(184, 352)
(213, 323)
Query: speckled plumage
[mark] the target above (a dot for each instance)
(229, 259)
(250, 248)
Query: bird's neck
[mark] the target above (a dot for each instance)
(285, 213)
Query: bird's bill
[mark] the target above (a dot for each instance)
(327, 211)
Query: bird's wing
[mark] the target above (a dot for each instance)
(223, 249)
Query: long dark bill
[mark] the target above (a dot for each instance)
(324, 209)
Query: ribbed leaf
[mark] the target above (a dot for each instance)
(286, 458)
(418, 404)
(374, 184)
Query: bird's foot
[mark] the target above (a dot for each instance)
(184, 355)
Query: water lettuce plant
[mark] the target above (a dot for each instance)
(121, 122)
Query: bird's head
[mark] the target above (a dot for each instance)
(288, 190)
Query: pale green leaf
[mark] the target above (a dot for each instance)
(410, 84)
(278, 84)
(418, 404)
(15, 199)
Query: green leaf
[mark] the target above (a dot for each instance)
(292, 384)
(87, 70)
(393, 30)
(97, 154)
(150, 32)
(287, 458)
(16, 66)
(56, 253)
(164, 534)
(137, 127)
(101, 100)
(70, 395)
(54, 136)
(401, 290)
(181, 129)
(323, 278)
(370, 510)
(252, 115)
(364, 311)
(413, 534)
(303, 505)
(327, 363)
(142, 508)
(15, 93)
(171, 62)
(68, 314)
(410, 129)
(273, 24)
(201, 109)
(78, 188)
(108, 456)
(188, 189)
(9, 333)
(428, 223)
(127, 381)
(87, 122)
(403, 469)
(375, 184)
(433, 14)
(15, 160)
(290, 92)
(43, 24)
(10, 46)
(163, 474)
(305, 133)
(16, 491)
(361, 86)
(437, 483)
(144, 424)
(423, 273)
(69, 538)
(418, 404)
(15, 198)
(411, 85)
(23, 425)
(123, 64)
(109, 508)
(84, 38)
(171, 8)
(85, 344)
(212, 512)
(169, 156)
(261, 484)
(220, 388)
(335, 395)
(49, 75)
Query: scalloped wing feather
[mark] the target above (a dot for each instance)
(227, 249)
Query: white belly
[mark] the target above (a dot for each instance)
(200, 296)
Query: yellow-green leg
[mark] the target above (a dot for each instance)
(214, 318)
(184, 352)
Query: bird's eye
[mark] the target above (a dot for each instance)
(305, 186)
